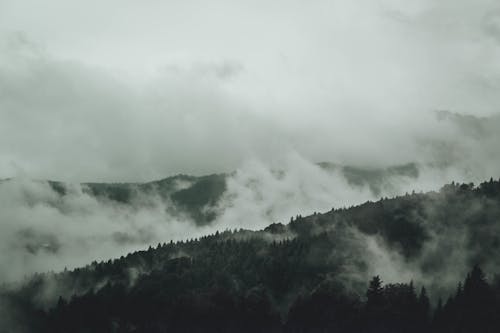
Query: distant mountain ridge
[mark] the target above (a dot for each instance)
(198, 196)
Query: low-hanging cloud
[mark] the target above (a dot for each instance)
(44, 230)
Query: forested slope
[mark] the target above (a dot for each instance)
(315, 273)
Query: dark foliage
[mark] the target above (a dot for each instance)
(286, 278)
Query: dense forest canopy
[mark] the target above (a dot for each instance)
(412, 263)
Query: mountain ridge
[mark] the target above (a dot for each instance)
(198, 196)
(282, 265)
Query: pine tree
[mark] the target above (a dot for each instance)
(375, 292)
(423, 302)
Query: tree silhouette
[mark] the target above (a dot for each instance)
(375, 293)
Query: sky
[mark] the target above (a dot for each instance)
(134, 91)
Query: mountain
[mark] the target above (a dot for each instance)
(374, 178)
(198, 197)
(474, 126)
(182, 194)
(310, 274)
(188, 194)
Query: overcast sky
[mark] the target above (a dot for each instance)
(138, 90)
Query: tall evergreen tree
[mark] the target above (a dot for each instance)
(375, 293)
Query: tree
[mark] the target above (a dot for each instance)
(375, 293)
(424, 304)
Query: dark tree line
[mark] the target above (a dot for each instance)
(395, 307)
(399, 308)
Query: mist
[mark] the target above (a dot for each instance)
(43, 231)
(261, 92)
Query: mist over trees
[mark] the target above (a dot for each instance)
(250, 166)
(345, 270)
(50, 224)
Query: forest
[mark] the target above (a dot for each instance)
(320, 273)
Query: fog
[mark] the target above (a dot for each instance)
(43, 231)
(130, 92)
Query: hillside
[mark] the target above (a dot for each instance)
(187, 194)
(270, 280)
(197, 197)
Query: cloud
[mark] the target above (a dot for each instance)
(42, 230)
(491, 24)
(80, 123)
(152, 93)
(65, 120)
(258, 195)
